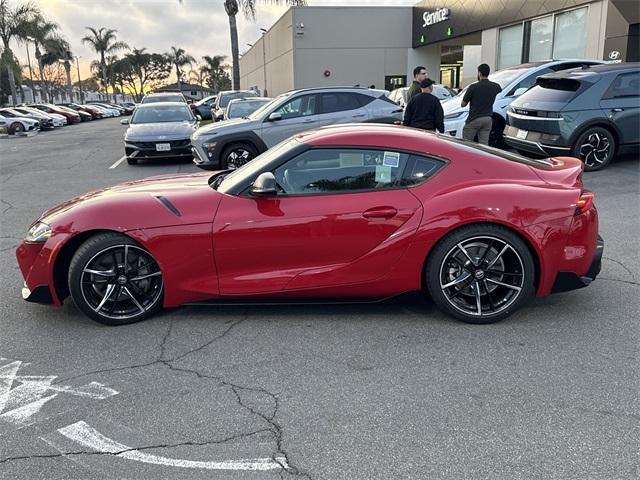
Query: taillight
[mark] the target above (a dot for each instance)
(585, 202)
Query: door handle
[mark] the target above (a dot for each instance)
(309, 120)
(617, 109)
(358, 115)
(380, 212)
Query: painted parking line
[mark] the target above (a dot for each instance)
(89, 437)
(118, 162)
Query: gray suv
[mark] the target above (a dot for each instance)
(230, 144)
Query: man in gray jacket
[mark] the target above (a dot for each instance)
(419, 74)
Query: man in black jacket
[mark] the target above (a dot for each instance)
(424, 109)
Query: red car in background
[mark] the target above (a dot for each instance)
(354, 212)
(72, 117)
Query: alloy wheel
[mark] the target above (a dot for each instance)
(595, 150)
(121, 282)
(482, 276)
(238, 157)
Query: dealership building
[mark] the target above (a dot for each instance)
(346, 46)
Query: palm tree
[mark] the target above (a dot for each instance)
(41, 32)
(215, 70)
(198, 75)
(14, 24)
(58, 50)
(249, 9)
(179, 58)
(104, 43)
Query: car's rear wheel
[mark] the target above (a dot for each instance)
(480, 273)
(114, 280)
(595, 147)
(16, 127)
(237, 154)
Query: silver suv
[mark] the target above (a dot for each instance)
(230, 144)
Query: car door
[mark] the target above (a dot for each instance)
(298, 114)
(621, 104)
(343, 217)
(341, 107)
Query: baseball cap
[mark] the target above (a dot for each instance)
(427, 82)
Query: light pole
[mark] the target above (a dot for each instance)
(77, 57)
(264, 61)
(33, 89)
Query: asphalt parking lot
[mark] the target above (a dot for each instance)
(390, 391)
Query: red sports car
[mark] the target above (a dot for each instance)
(354, 212)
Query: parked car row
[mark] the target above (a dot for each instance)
(46, 116)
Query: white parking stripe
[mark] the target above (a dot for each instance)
(118, 162)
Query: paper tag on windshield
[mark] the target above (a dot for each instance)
(391, 159)
(383, 174)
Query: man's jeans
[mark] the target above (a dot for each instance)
(480, 126)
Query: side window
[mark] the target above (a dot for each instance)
(625, 85)
(529, 81)
(363, 99)
(420, 169)
(339, 102)
(341, 170)
(298, 107)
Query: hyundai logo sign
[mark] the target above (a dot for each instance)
(614, 55)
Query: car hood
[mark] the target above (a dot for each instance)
(228, 126)
(164, 200)
(453, 105)
(159, 131)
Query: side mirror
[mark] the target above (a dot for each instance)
(264, 185)
(274, 117)
(124, 121)
(520, 91)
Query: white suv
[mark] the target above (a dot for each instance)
(234, 142)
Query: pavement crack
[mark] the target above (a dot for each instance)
(163, 344)
(9, 207)
(628, 282)
(622, 265)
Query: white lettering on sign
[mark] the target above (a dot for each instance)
(22, 396)
(440, 15)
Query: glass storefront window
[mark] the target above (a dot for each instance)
(570, 36)
(541, 39)
(510, 46)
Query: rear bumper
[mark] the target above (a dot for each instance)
(536, 142)
(566, 281)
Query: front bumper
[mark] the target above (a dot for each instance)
(142, 150)
(566, 281)
(202, 161)
(454, 127)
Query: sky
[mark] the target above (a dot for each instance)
(201, 27)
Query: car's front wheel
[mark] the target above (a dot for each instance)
(114, 280)
(480, 273)
(236, 155)
(16, 127)
(595, 147)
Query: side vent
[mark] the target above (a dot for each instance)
(170, 206)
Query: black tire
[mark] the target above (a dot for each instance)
(596, 147)
(109, 289)
(16, 127)
(486, 280)
(236, 155)
(132, 161)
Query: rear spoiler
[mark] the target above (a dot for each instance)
(565, 171)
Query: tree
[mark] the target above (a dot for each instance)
(248, 7)
(13, 24)
(216, 72)
(104, 42)
(58, 50)
(179, 58)
(141, 71)
(44, 35)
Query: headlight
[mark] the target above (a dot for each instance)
(39, 232)
(453, 116)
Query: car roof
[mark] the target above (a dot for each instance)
(249, 99)
(162, 94)
(162, 104)
(592, 73)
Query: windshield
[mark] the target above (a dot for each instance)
(505, 77)
(251, 168)
(164, 98)
(205, 101)
(162, 114)
(225, 98)
(268, 106)
(244, 108)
